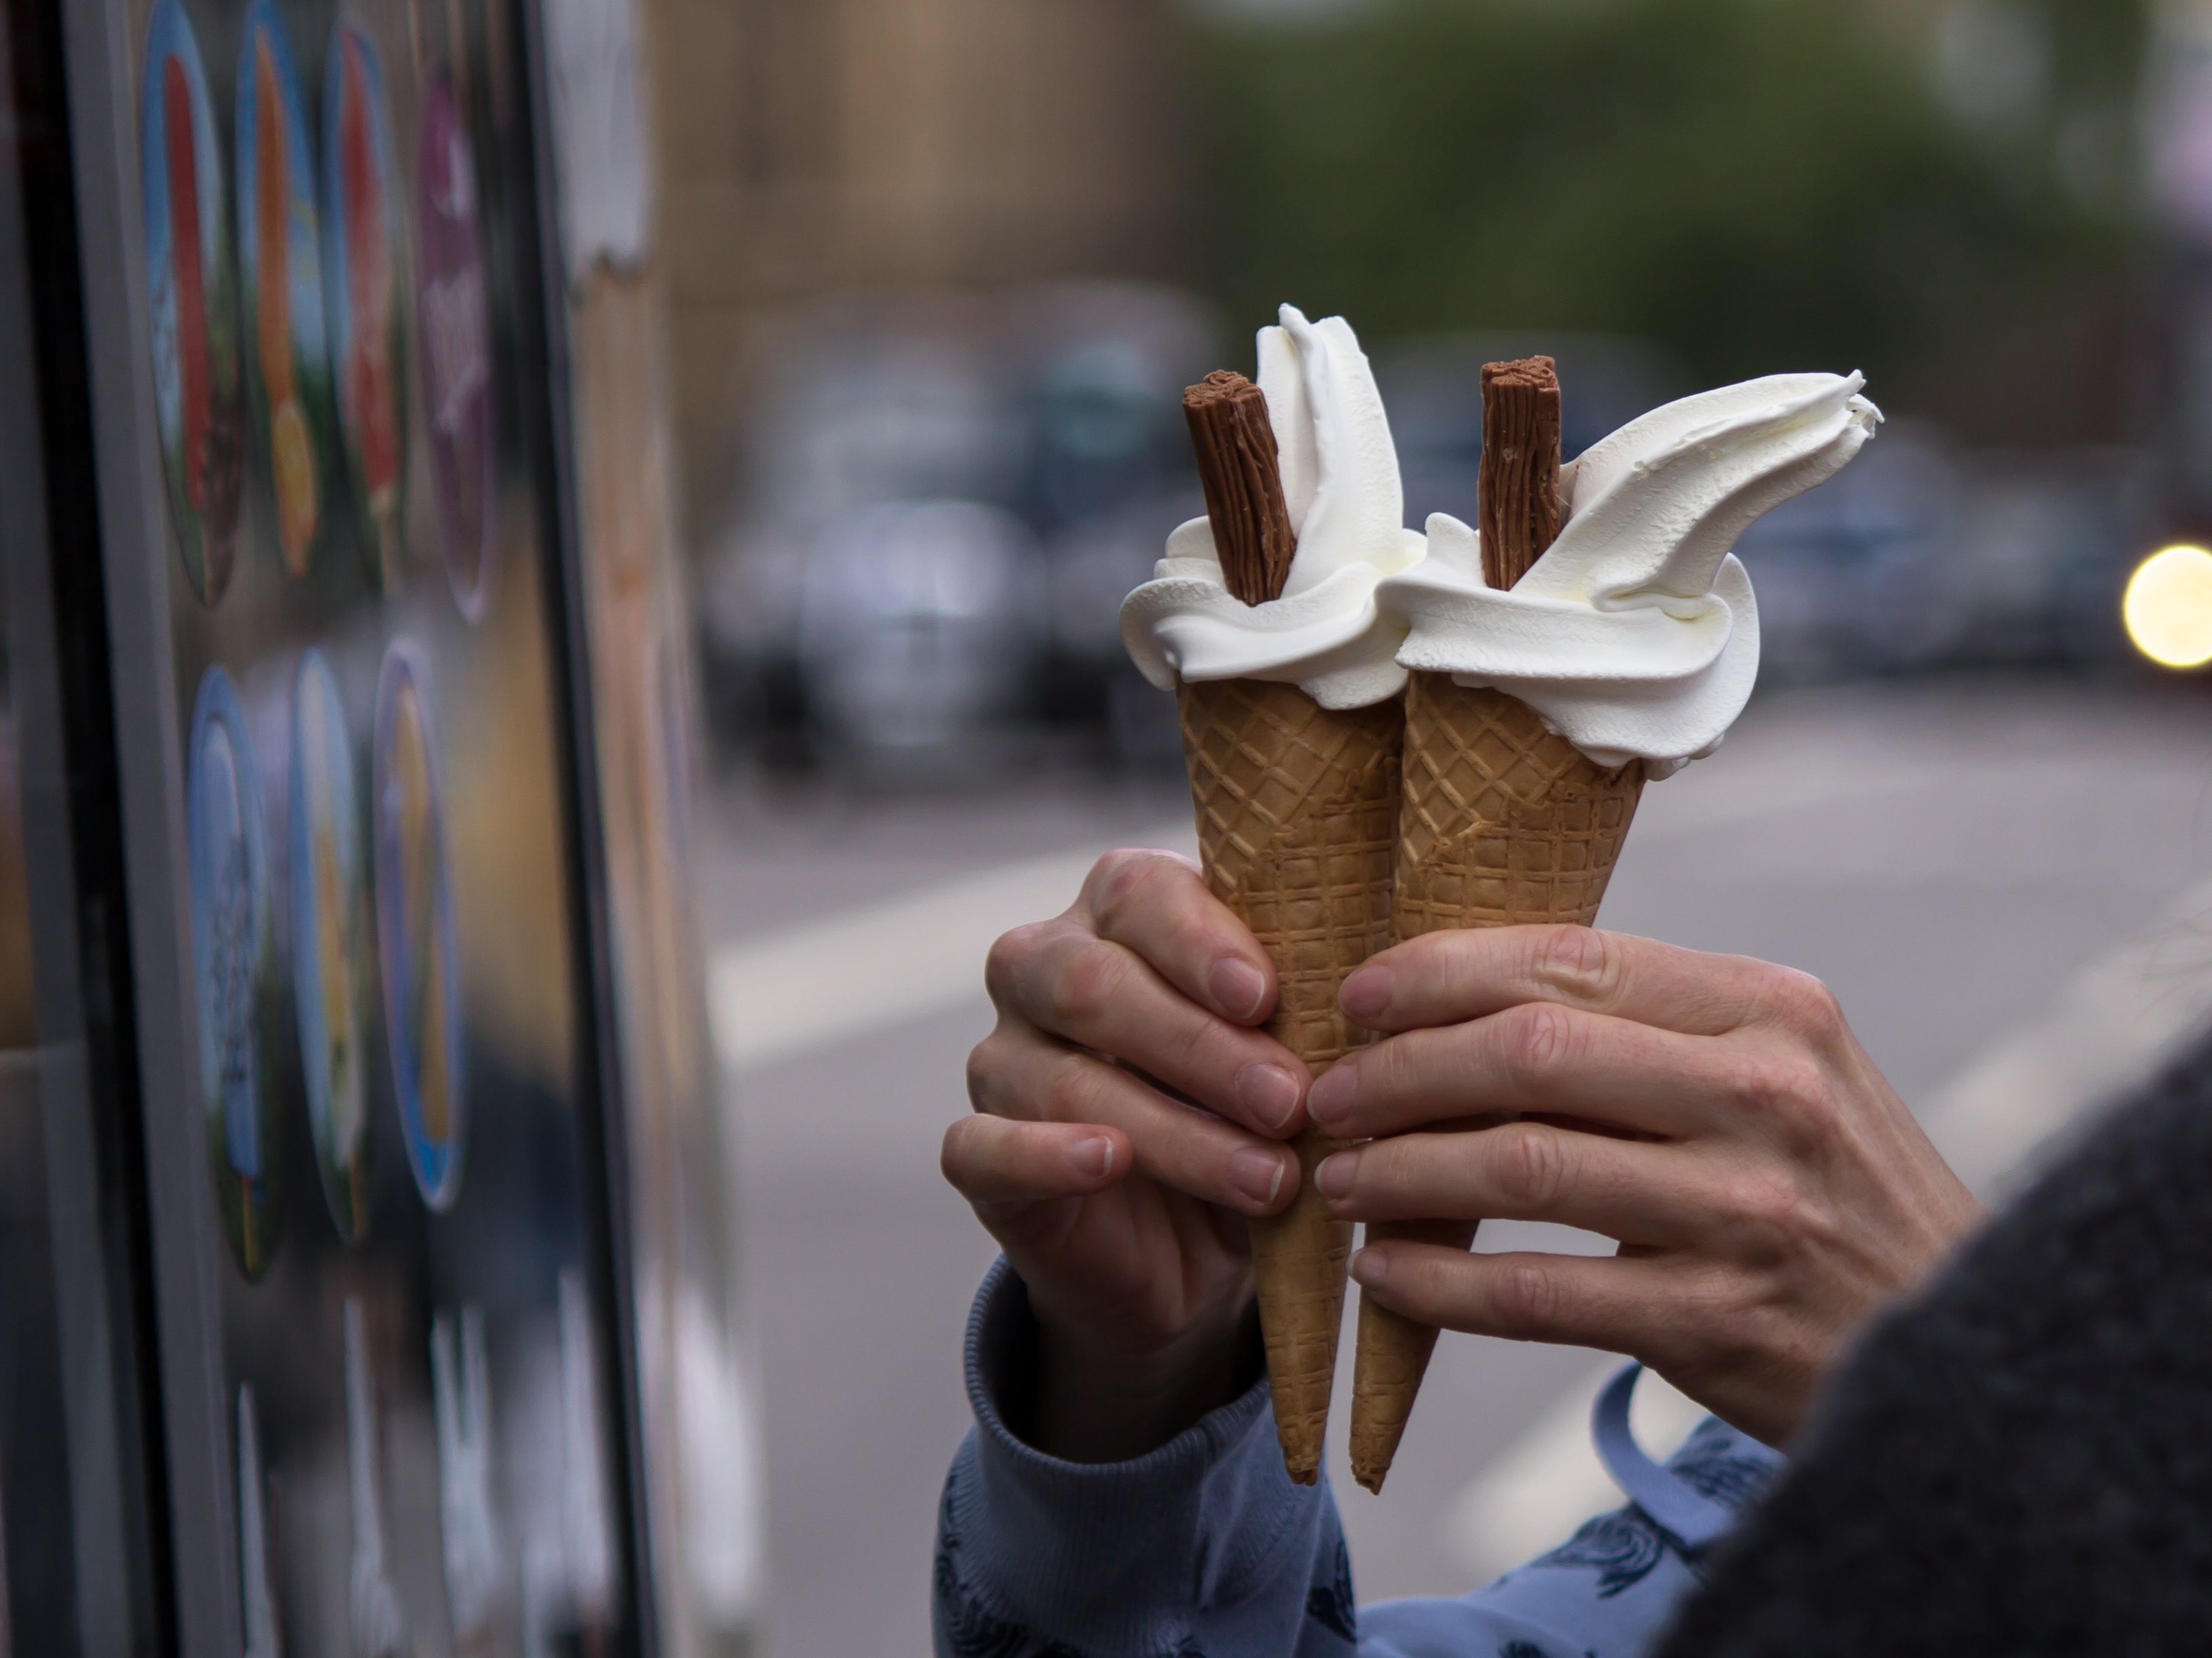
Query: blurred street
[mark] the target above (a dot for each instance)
(1946, 854)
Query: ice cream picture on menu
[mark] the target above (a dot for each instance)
(1391, 732)
(360, 273)
(191, 278)
(280, 257)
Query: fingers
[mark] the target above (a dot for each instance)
(1633, 1191)
(1156, 903)
(1446, 977)
(1063, 979)
(1620, 1303)
(1536, 1057)
(1017, 1073)
(994, 1162)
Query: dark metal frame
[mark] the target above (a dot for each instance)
(606, 1149)
(117, 1595)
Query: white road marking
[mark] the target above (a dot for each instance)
(808, 987)
(804, 988)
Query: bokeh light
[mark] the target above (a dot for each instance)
(2167, 607)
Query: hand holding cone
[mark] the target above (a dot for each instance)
(1503, 822)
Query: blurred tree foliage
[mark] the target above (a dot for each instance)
(1945, 194)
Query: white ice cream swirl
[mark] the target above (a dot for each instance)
(1340, 469)
(1635, 636)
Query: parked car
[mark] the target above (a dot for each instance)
(998, 476)
(1919, 556)
(945, 504)
(919, 626)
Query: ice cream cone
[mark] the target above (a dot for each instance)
(1298, 810)
(1503, 823)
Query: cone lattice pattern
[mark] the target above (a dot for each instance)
(1503, 823)
(1297, 811)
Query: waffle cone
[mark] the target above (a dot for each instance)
(1503, 823)
(1297, 811)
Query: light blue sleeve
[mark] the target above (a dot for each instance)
(1204, 1549)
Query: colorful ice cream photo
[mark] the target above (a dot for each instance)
(454, 338)
(421, 968)
(361, 250)
(191, 291)
(233, 962)
(281, 260)
(328, 881)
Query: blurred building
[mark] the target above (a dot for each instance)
(813, 148)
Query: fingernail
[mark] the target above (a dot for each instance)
(1258, 1175)
(1334, 1092)
(1366, 994)
(1268, 1094)
(1332, 1180)
(1093, 1159)
(1372, 1266)
(1237, 986)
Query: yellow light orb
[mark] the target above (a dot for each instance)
(2167, 607)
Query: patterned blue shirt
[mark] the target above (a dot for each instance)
(1204, 1549)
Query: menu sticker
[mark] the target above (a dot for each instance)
(360, 277)
(453, 332)
(191, 288)
(421, 968)
(288, 372)
(232, 963)
(328, 880)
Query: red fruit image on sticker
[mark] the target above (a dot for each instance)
(361, 233)
(192, 302)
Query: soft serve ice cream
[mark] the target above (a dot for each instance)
(1327, 634)
(1635, 636)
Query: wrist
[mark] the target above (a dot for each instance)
(1103, 1402)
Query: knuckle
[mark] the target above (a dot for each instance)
(1792, 1094)
(1003, 1077)
(1712, 1331)
(1736, 1318)
(1132, 878)
(1069, 1089)
(1776, 1085)
(1577, 960)
(1803, 1004)
(1531, 1166)
(955, 1154)
(1527, 1301)
(1011, 955)
(1773, 1207)
(1536, 1037)
(1113, 878)
(1386, 1072)
(1082, 991)
(1431, 1283)
(986, 1064)
(1195, 1044)
(1789, 1220)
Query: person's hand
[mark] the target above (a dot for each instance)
(1713, 1113)
(1128, 1119)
